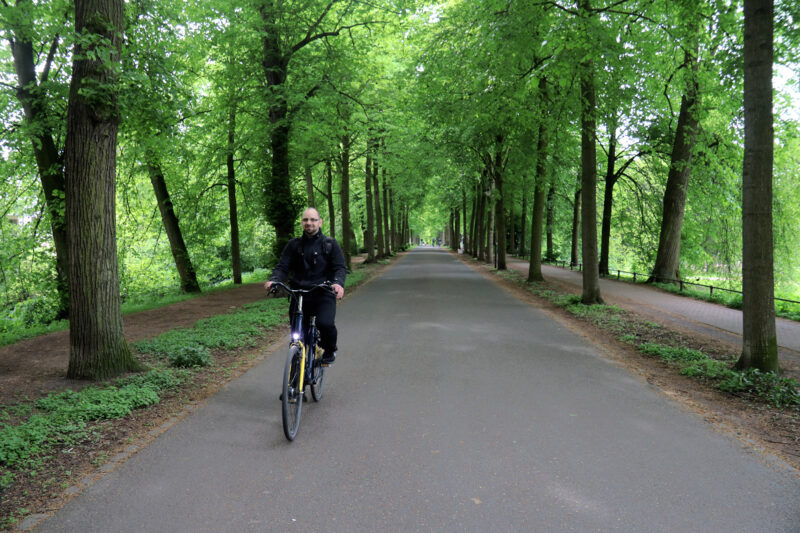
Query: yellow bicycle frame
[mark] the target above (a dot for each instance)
(302, 365)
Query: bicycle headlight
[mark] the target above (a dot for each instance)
(296, 336)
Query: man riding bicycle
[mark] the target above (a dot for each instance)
(310, 260)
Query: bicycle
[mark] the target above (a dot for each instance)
(304, 367)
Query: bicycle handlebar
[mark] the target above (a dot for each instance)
(294, 292)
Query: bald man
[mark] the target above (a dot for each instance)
(310, 260)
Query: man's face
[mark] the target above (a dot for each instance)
(311, 222)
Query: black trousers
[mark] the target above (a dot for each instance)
(322, 306)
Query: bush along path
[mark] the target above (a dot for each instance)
(761, 408)
(53, 444)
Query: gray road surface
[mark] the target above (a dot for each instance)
(453, 407)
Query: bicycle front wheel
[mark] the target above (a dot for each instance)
(292, 397)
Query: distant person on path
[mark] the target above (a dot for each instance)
(310, 260)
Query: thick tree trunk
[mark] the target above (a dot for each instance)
(473, 221)
(369, 234)
(48, 161)
(347, 228)
(576, 224)
(537, 217)
(591, 274)
(667, 264)
(98, 349)
(236, 258)
(759, 340)
(177, 245)
(490, 223)
(280, 211)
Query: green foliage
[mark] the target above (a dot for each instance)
(766, 387)
(669, 353)
(61, 418)
(229, 331)
(190, 357)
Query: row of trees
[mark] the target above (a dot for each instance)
(390, 117)
(534, 89)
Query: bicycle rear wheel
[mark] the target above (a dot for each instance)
(317, 377)
(292, 398)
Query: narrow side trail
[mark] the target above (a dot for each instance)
(707, 318)
(453, 407)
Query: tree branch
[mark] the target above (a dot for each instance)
(50, 55)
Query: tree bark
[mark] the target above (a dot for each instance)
(499, 206)
(608, 198)
(550, 253)
(380, 243)
(177, 245)
(537, 217)
(98, 349)
(667, 264)
(310, 200)
(576, 223)
(347, 228)
(523, 217)
(480, 244)
(591, 274)
(759, 339)
(236, 258)
(369, 235)
(48, 160)
(388, 245)
(331, 211)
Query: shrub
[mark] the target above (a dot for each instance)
(189, 356)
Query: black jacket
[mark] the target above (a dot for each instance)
(308, 261)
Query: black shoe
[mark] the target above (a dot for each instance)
(328, 357)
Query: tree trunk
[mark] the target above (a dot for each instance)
(480, 244)
(236, 258)
(280, 211)
(608, 198)
(380, 238)
(98, 349)
(550, 253)
(667, 264)
(499, 207)
(48, 161)
(347, 228)
(331, 211)
(466, 237)
(490, 222)
(310, 188)
(523, 218)
(537, 217)
(591, 274)
(576, 223)
(183, 262)
(369, 234)
(388, 245)
(759, 340)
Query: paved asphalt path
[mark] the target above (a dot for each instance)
(453, 407)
